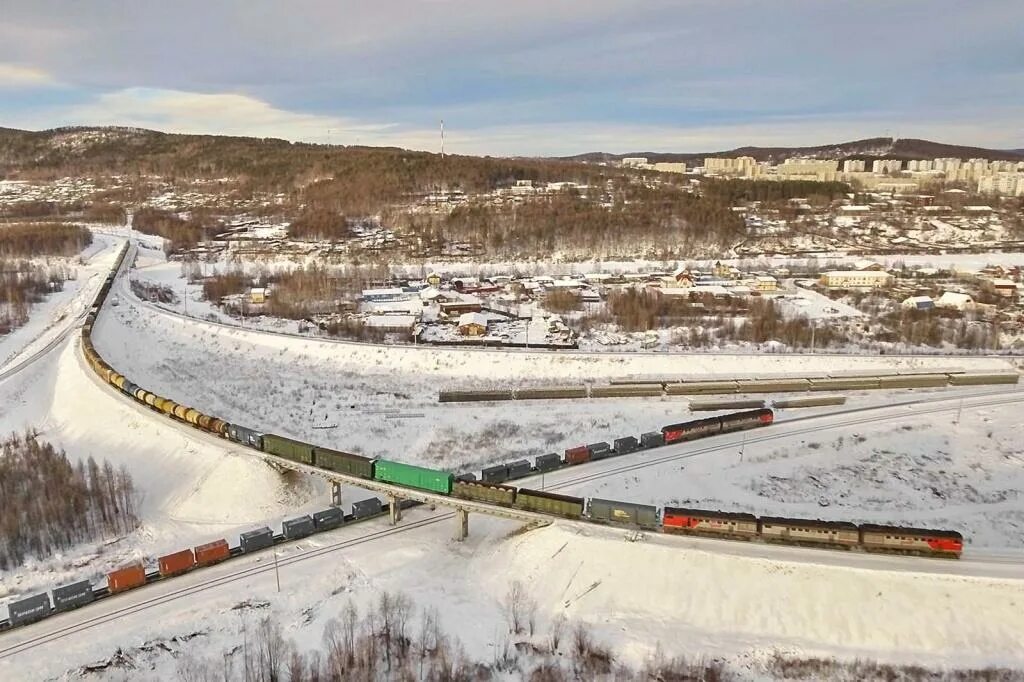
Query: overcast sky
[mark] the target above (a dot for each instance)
(524, 77)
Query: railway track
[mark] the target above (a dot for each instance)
(220, 581)
(768, 437)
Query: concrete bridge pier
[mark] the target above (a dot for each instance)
(461, 524)
(394, 509)
(335, 494)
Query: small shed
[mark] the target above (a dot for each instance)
(950, 299)
(919, 303)
(257, 295)
(473, 324)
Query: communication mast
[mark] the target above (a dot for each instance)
(442, 139)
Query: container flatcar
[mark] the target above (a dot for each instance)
(652, 439)
(329, 518)
(68, 597)
(29, 610)
(254, 540)
(599, 450)
(126, 578)
(368, 507)
(495, 474)
(519, 469)
(711, 523)
(176, 563)
(577, 455)
(549, 503)
(494, 493)
(299, 527)
(548, 462)
(614, 511)
(625, 445)
(212, 552)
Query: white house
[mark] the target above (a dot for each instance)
(950, 299)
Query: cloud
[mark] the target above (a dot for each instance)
(18, 76)
(228, 113)
(238, 114)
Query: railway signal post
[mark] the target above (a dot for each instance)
(394, 509)
(461, 524)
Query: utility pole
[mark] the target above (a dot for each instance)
(277, 573)
(814, 327)
(959, 411)
(743, 446)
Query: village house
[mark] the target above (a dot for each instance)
(473, 324)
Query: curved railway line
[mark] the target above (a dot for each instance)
(215, 428)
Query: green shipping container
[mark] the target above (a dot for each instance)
(288, 448)
(413, 476)
(343, 462)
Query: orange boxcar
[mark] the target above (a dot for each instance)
(126, 578)
(212, 552)
(176, 563)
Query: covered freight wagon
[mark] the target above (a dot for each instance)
(343, 462)
(245, 436)
(420, 478)
(613, 511)
(68, 597)
(287, 448)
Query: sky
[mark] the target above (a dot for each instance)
(527, 77)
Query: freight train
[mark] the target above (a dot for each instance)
(490, 488)
(74, 595)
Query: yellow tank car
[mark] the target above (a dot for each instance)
(168, 407)
(179, 411)
(118, 380)
(219, 426)
(150, 399)
(159, 403)
(140, 395)
(204, 421)
(192, 415)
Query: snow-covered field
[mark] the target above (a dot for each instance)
(694, 597)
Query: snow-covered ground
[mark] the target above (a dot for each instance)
(697, 597)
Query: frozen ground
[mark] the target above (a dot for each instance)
(382, 400)
(636, 596)
(734, 600)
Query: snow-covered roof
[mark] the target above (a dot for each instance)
(472, 318)
(952, 299)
